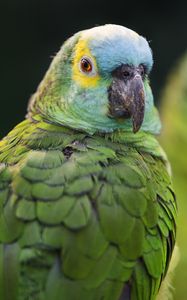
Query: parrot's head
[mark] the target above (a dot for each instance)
(99, 82)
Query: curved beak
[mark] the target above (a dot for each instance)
(127, 96)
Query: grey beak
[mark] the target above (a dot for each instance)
(127, 96)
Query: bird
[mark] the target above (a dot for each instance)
(87, 206)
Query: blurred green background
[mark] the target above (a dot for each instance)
(31, 32)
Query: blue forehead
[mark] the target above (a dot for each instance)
(113, 45)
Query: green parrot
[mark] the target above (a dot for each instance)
(87, 208)
(174, 140)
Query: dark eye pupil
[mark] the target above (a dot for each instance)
(86, 66)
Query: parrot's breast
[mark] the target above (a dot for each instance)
(83, 217)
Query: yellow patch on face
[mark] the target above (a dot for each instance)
(85, 80)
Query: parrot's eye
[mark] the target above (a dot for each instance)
(86, 65)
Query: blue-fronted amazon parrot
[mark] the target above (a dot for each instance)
(174, 140)
(87, 208)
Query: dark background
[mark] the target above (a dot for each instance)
(32, 31)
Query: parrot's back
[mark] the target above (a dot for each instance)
(83, 217)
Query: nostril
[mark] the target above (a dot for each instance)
(126, 74)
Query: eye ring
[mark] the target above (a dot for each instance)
(86, 65)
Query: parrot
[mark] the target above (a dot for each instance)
(87, 206)
(174, 139)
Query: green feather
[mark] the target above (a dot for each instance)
(133, 248)
(80, 213)
(31, 235)
(79, 186)
(9, 271)
(10, 227)
(45, 192)
(26, 210)
(52, 236)
(54, 212)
